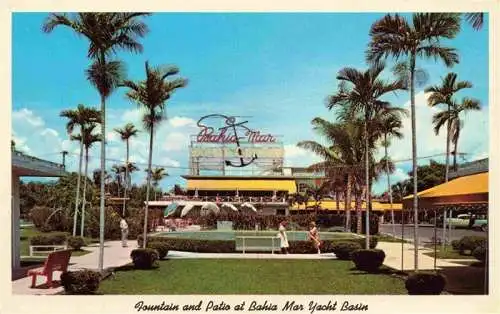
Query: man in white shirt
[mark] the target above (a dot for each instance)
(124, 228)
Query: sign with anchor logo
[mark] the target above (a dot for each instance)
(232, 132)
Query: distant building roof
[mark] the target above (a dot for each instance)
(29, 166)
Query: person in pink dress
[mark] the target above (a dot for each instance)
(314, 236)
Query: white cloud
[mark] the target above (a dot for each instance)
(175, 142)
(25, 115)
(132, 115)
(49, 132)
(181, 121)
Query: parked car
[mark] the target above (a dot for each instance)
(462, 221)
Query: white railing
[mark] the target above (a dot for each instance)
(245, 246)
(46, 249)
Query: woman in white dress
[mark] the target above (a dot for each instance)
(283, 238)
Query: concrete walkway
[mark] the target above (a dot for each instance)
(114, 255)
(393, 257)
(185, 255)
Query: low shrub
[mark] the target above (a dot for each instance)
(469, 243)
(53, 238)
(344, 250)
(425, 284)
(76, 243)
(480, 253)
(144, 258)
(373, 241)
(455, 244)
(368, 260)
(161, 247)
(80, 282)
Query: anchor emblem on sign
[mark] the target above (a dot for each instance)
(230, 122)
(208, 135)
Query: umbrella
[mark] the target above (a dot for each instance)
(186, 209)
(209, 207)
(249, 206)
(170, 209)
(230, 206)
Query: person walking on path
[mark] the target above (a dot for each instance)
(283, 237)
(314, 236)
(124, 228)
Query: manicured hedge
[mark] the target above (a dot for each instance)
(159, 246)
(368, 260)
(469, 243)
(344, 250)
(144, 258)
(228, 246)
(53, 238)
(425, 284)
(76, 242)
(80, 282)
(480, 253)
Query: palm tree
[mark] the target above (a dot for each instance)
(340, 156)
(126, 133)
(359, 96)
(476, 20)
(394, 36)
(107, 33)
(152, 94)
(88, 138)
(444, 95)
(158, 175)
(117, 170)
(452, 117)
(391, 126)
(79, 117)
(316, 193)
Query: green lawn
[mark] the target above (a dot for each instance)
(231, 276)
(447, 253)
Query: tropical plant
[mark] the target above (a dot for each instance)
(317, 193)
(118, 170)
(107, 33)
(359, 97)
(88, 138)
(452, 116)
(443, 95)
(126, 133)
(80, 117)
(152, 94)
(394, 36)
(476, 20)
(390, 127)
(341, 156)
(157, 175)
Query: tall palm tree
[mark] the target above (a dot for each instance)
(152, 94)
(157, 175)
(443, 94)
(88, 138)
(452, 117)
(118, 170)
(391, 126)
(107, 33)
(394, 36)
(79, 117)
(340, 156)
(126, 133)
(476, 20)
(359, 96)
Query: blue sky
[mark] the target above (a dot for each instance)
(276, 68)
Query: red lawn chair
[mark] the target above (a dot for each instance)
(56, 261)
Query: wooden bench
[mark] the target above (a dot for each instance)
(45, 249)
(56, 261)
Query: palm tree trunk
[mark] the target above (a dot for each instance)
(447, 169)
(148, 184)
(347, 206)
(414, 157)
(389, 190)
(126, 180)
(367, 182)
(456, 148)
(82, 225)
(103, 176)
(78, 189)
(358, 214)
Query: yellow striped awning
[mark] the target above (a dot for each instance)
(473, 184)
(242, 185)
